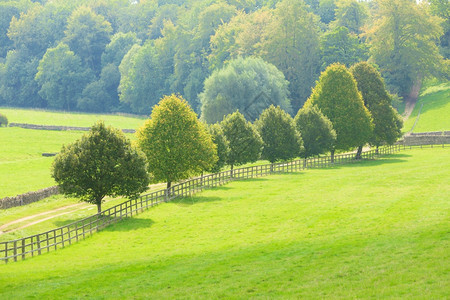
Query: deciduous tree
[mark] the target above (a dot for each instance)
(317, 131)
(176, 143)
(248, 84)
(402, 40)
(244, 141)
(338, 98)
(387, 122)
(102, 163)
(281, 140)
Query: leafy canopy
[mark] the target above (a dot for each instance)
(338, 98)
(102, 163)
(244, 141)
(281, 140)
(387, 122)
(317, 131)
(249, 85)
(176, 143)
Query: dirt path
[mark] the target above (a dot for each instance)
(411, 100)
(34, 219)
(9, 227)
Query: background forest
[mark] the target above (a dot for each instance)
(123, 55)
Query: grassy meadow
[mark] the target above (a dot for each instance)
(375, 229)
(43, 117)
(22, 166)
(435, 113)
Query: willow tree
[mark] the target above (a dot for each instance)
(338, 98)
(176, 143)
(402, 39)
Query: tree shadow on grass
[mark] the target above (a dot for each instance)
(131, 223)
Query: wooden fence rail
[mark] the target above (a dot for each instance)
(66, 235)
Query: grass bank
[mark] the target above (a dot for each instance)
(375, 229)
(43, 117)
(435, 112)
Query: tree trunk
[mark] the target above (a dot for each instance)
(358, 153)
(231, 173)
(99, 207)
(376, 150)
(332, 156)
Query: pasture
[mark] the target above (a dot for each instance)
(374, 229)
(434, 115)
(22, 166)
(43, 117)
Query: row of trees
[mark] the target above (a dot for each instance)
(177, 145)
(121, 55)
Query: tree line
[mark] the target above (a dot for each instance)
(121, 55)
(348, 108)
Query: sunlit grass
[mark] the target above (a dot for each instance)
(434, 115)
(376, 229)
(42, 117)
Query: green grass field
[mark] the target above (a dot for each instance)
(377, 229)
(22, 166)
(435, 113)
(41, 117)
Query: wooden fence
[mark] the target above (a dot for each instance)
(66, 235)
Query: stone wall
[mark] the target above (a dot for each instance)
(426, 138)
(28, 198)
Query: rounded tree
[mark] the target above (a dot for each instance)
(281, 140)
(249, 85)
(338, 98)
(317, 131)
(176, 143)
(244, 141)
(102, 163)
(387, 122)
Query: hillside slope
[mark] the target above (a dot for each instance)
(374, 229)
(434, 107)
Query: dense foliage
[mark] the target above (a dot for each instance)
(244, 141)
(176, 143)
(338, 98)
(281, 140)
(249, 85)
(101, 163)
(317, 131)
(125, 55)
(387, 122)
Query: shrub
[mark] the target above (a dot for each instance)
(3, 120)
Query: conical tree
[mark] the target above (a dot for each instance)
(387, 122)
(281, 140)
(338, 98)
(176, 143)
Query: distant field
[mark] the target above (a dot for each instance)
(22, 166)
(435, 113)
(376, 229)
(41, 117)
